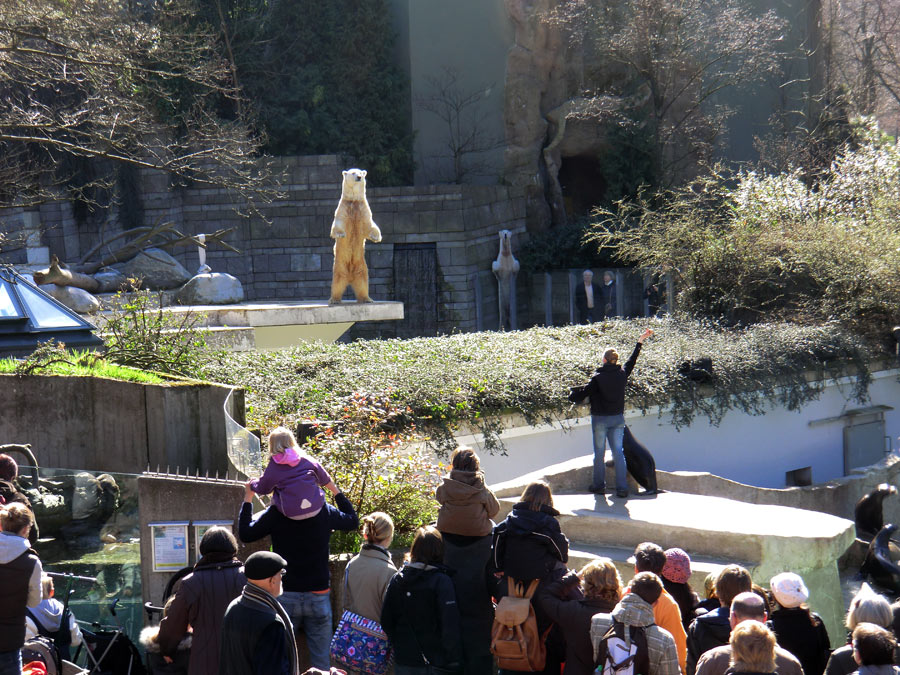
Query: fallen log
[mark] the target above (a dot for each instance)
(59, 273)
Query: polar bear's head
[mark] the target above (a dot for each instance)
(354, 186)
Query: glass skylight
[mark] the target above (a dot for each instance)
(7, 308)
(29, 316)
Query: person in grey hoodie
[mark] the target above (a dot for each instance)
(47, 617)
(20, 583)
(635, 610)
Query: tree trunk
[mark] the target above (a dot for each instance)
(58, 273)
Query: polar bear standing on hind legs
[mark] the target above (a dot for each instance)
(352, 225)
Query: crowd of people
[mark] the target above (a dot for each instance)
(436, 613)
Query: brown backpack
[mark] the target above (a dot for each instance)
(515, 640)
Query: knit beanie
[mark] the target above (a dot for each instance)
(8, 468)
(678, 566)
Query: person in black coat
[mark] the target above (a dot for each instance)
(713, 629)
(608, 295)
(606, 391)
(796, 628)
(305, 545)
(528, 545)
(601, 587)
(588, 299)
(420, 614)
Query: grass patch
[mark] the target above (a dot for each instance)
(86, 367)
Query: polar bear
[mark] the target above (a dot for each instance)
(352, 225)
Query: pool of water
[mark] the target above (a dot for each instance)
(89, 529)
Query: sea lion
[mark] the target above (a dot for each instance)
(869, 514)
(879, 564)
(640, 462)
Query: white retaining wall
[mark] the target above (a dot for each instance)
(753, 450)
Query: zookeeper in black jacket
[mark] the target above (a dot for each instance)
(606, 391)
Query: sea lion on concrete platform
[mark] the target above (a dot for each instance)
(640, 462)
(869, 514)
(879, 564)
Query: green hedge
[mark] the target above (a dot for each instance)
(474, 378)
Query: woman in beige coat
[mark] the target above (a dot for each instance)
(369, 572)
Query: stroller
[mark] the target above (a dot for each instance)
(110, 651)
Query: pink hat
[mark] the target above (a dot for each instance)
(678, 566)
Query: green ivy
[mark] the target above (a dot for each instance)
(475, 378)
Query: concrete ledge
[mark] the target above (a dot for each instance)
(717, 522)
(837, 497)
(290, 313)
(706, 526)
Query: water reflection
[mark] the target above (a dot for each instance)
(89, 527)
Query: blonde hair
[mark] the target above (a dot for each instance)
(46, 585)
(600, 579)
(280, 440)
(709, 585)
(378, 528)
(537, 494)
(15, 517)
(611, 356)
(752, 648)
(869, 607)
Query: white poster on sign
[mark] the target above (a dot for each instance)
(200, 528)
(170, 549)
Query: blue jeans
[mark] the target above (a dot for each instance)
(609, 428)
(311, 613)
(11, 663)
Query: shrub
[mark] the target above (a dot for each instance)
(138, 333)
(474, 378)
(370, 450)
(769, 247)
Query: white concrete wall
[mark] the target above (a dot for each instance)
(753, 450)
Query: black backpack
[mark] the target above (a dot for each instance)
(42, 649)
(615, 658)
(61, 638)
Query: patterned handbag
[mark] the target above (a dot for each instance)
(361, 644)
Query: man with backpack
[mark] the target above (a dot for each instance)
(627, 641)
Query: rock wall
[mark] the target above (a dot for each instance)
(290, 257)
(95, 424)
(544, 69)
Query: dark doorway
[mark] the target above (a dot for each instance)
(415, 285)
(583, 184)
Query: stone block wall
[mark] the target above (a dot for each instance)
(287, 253)
(95, 424)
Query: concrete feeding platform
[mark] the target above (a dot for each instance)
(701, 525)
(268, 324)
(714, 531)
